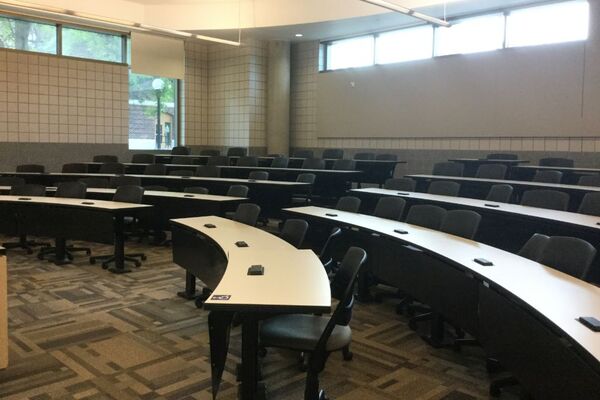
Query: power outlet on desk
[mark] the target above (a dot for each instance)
(256, 270)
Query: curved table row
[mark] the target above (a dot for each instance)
(523, 313)
(293, 281)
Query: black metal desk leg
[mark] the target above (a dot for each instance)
(249, 386)
(190, 287)
(119, 267)
(60, 252)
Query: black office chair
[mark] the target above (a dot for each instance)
(426, 215)
(386, 157)
(303, 154)
(210, 152)
(247, 213)
(534, 247)
(491, 171)
(400, 184)
(590, 204)
(247, 161)
(348, 204)
(500, 193)
(444, 188)
(112, 168)
(448, 169)
(542, 198)
(304, 196)
(390, 208)
(294, 232)
(258, 175)
(142, 158)
(11, 181)
(344, 165)
(364, 156)
(23, 243)
(101, 183)
(318, 336)
(31, 168)
(313, 163)
(237, 152)
(124, 180)
(181, 151)
(547, 176)
(237, 191)
(208, 171)
(74, 168)
(502, 156)
(182, 160)
(218, 161)
(327, 251)
(125, 194)
(196, 190)
(333, 154)
(156, 188)
(71, 190)
(155, 169)
(557, 162)
(105, 158)
(181, 172)
(570, 255)
(280, 162)
(589, 180)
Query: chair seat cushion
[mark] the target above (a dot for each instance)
(302, 332)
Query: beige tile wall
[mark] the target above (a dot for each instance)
(49, 99)
(195, 96)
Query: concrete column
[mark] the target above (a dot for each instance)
(278, 98)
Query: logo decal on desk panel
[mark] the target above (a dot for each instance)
(221, 297)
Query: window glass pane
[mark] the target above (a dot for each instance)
(349, 53)
(554, 23)
(93, 45)
(145, 92)
(404, 45)
(27, 35)
(471, 36)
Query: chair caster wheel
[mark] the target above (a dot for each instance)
(348, 356)
(88, 252)
(199, 302)
(262, 352)
(40, 257)
(144, 258)
(104, 266)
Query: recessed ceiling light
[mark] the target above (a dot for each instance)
(299, 35)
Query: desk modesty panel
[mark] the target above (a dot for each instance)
(3, 311)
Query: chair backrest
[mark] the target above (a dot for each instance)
(333, 153)
(313, 163)
(247, 213)
(218, 160)
(401, 184)
(344, 165)
(129, 194)
(542, 198)
(589, 180)
(258, 175)
(156, 188)
(294, 231)
(326, 254)
(386, 157)
(348, 203)
(533, 248)
(502, 156)
(500, 193)
(247, 161)
(491, 171)
(280, 162)
(142, 158)
(208, 171)
(181, 172)
(31, 168)
(181, 151)
(364, 156)
(112, 168)
(590, 204)
(426, 215)
(238, 191)
(463, 223)
(74, 168)
(303, 153)
(196, 190)
(570, 255)
(28, 189)
(101, 183)
(444, 188)
(210, 152)
(155, 169)
(74, 190)
(11, 181)
(237, 152)
(306, 178)
(105, 158)
(182, 160)
(124, 180)
(448, 169)
(390, 208)
(548, 176)
(557, 162)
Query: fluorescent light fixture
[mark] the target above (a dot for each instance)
(299, 35)
(407, 11)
